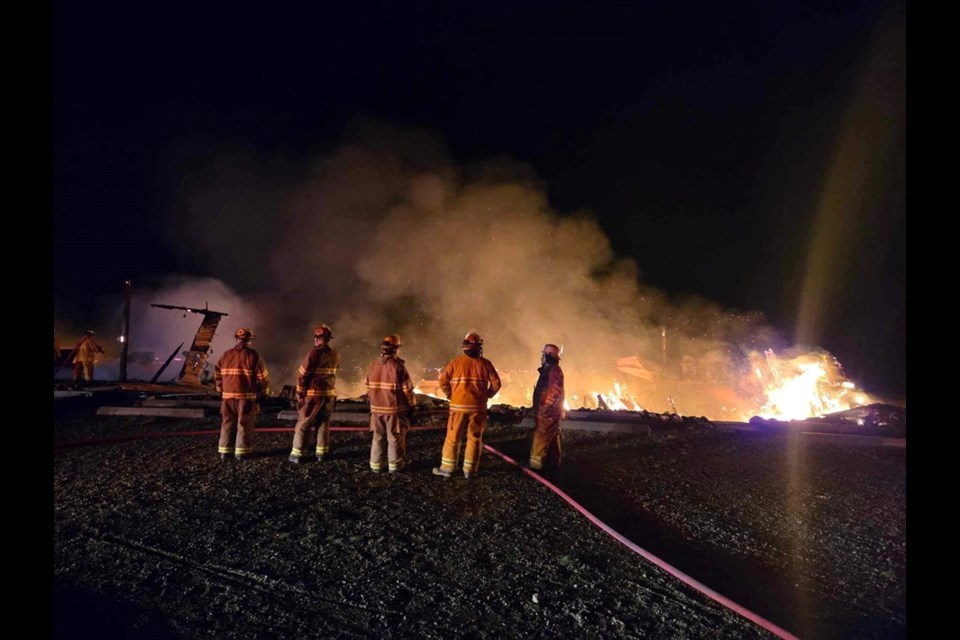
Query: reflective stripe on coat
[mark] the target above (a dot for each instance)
(389, 389)
(241, 374)
(317, 376)
(469, 382)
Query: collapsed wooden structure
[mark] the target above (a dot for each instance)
(196, 357)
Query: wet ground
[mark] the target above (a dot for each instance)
(157, 538)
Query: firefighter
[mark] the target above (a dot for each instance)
(392, 403)
(242, 377)
(84, 357)
(468, 380)
(316, 396)
(548, 408)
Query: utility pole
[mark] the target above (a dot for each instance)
(125, 336)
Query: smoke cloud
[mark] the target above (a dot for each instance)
(387, 234)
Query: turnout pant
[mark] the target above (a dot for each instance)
(545, 447)
(457, 424)
(83, 368)
(236, 430)
(390, 437)
(313, 427)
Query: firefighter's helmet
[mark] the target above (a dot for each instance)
(551, 350)
(472, 340)
(323, 331)
(244, 334)
(90, 332)
(391, 341)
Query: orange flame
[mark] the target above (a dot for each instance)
(792, 388)
(805, 386)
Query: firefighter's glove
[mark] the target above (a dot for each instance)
(301, 400)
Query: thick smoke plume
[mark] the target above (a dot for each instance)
(388, 235)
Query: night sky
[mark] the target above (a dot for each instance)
(747, 153)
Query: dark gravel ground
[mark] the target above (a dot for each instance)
(158, 539)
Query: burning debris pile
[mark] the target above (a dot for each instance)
(805, 385)
(808, 385)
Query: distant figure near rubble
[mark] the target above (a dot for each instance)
(85, 356)
(316, 396)
(548, 408)
(392, 403)
(242, 378)
(468, 381)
